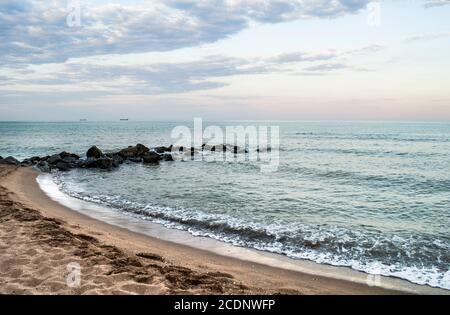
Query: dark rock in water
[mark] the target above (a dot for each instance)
(163, 149)
(105, 163)
(94, 152)
(151, 157)
(26, 163)
(117, 159)
(63, 166)
(70, 159)
(9, 160)
(137, 151)
(69, 156)
(90, 163)
(166, 157)
(31, 161)
(54, 159)
(80, 163)
(43, 166)
(45, 158)
(135, 159)
(128, 152)
(142, 148)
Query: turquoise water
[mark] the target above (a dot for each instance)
(371, 196)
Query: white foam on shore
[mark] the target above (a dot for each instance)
(118, 218)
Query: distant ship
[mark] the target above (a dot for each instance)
(83, 119)
(123, 119)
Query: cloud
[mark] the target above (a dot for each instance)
(268, 11)
(368, 49)
(327, 67)
(303, 56)
(154, 78)
(436, 3)
(325, 55)
(157, 78)
(427, 36)
(35, 31)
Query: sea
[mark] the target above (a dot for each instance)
(371, 196)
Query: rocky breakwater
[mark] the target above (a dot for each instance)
(95, 159)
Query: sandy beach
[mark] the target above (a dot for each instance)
(39, 238)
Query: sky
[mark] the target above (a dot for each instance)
(225, 59)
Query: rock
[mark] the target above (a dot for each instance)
(43, 166)
(135, 159)
(70, 159)
(128, 152)
(94, 152)
(31, 161)
(163, 149)
(69, 156)
(105, 163)
(166, 157)
(151, 157)
(137, 151)
(45, 158)
(63, 166)
(54, 159)
(9, 160)
(142, 148)
(117, 160)
(80, 163)
(90, 163)
(26, 163)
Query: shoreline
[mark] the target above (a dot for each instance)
(220, 274)
(116, 217)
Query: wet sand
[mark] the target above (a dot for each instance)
(40, 238)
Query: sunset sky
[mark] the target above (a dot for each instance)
(235, 59)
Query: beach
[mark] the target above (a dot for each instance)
(39, 238)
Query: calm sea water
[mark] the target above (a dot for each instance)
(371, 196)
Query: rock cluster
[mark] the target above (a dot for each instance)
(9, 160)
(96, 159)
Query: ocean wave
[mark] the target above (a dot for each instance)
(370, 137)
(419, 258)
(407, 183)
